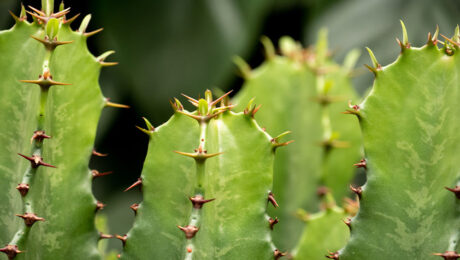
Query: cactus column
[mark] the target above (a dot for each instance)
(231, 169)
(410, 123)
(66, 116)
(304, 91)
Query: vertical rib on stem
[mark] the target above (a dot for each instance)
(36, 149)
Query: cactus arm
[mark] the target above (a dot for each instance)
(279, 75)
(410, 123)
(292, 90)
(68, 114)
(324, 231)
(234, 179)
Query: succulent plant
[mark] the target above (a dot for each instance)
(51, 122)
(410, 204)
(304, 91)
(325, 230)
(207, 200)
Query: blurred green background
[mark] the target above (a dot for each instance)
(168, 47)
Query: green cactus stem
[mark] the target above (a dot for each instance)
(207, 200)
(304, 91)
(324, 231)
(410, 205)
(53, 127)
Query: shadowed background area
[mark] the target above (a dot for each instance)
(166, 48)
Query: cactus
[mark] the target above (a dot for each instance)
(325, 230)
(304, 91)
(50, 121)
(410, 204)
(211, 203)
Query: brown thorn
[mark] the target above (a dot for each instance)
(30, 218)
(104, 236)
(11, 251)
(14, 16)
(272, 222)
(108, 64)
(45, 82)
(333, 255)
(50, 45)
(189, 231)
(198, 201)
(271, 198)
(191, 100)
(36, 10)
(99, 205)
(97, 174)
(450, 40)
(137, 183)
(362, 164)
(213, 103)
(39, 135)
(134, 207)
(60, 13)
(111, 104)
(357, 190)
(99, 154)
(277, 254)
(36, 160)
(89, 34)
(69, 21)
(254, 111)
(455, 190)
(122, 238)
(372, 69)
(448, 255)
(23, 188)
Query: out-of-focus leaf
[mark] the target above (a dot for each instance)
(375, 24)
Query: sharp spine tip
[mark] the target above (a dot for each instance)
(135, 184)
(271, 199)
